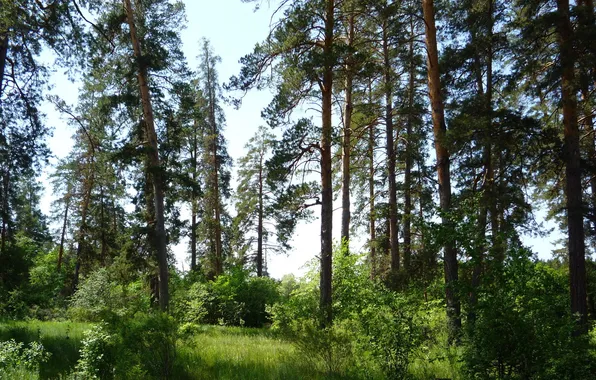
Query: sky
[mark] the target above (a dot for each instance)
(233, 29)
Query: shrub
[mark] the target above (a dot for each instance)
(16, 360)
(97, 356)
(374, 329)
(523, 328)
(130, 348)
(99, 296)
(235, 299)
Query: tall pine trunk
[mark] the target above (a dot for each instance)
(194, 201)
(260, 220)
(487, 196)
(64, 224)
(347, 139)
(5, 211)
(573, 185)
(88, 184)
(407, 219)
(443, 168)
(390, 148)
(326, 178)
(3, 55)
(153, 156)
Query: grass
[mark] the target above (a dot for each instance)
(211, 352)
(61, 339)
(241, 353)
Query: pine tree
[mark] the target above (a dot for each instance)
(443, 167)
(302, 50)
(255, 202)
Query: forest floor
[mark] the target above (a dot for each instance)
(210, 352)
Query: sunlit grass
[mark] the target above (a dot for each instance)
(240, 353)
(216, 352)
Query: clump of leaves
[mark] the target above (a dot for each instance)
(14, 356)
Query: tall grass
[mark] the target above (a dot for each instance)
(242, 353)
(215, 352)
(61, 339)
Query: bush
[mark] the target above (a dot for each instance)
(234, 299)
(97, 356)
(523, 327)
(99, 296)
(19, 361)
(140, 347)
(374, 328)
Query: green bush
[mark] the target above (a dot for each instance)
(235, 299)
(523, 327)
(374, 329)
(99, 296)
(130, 348)
(18, 361)
(98, 354)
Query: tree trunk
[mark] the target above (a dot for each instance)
(326, 179)
(260, 221)
(3, 55)
(443, 174)
(371, 194)
(407, 220)
(488, 196)
(64, 224)
(215, 173)
(153, 156)
(89, 183)
(5, 212)
(573, 186)
(194, 202)
(347, 140)
(390, 147)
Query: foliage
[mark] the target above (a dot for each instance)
(100, 296)
(523, 328)
(129, 348)
(14, 355)
(232, 299)
(373, 326)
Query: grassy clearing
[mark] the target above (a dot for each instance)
(243, 353)
(213, 352)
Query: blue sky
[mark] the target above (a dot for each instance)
(233, 29)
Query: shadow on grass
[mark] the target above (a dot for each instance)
(62, 340)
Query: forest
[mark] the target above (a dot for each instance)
(425, 139)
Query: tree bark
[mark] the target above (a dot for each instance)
(64, 224)
(573, 186)
(371, 195)
(326, 178)
(3, 55)
(390, 147)
(260, 220)
(443, 169)
(407, 220)
(488, 197)
(194, 201)
(347, 140)
(5, 211)
(153, 156)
